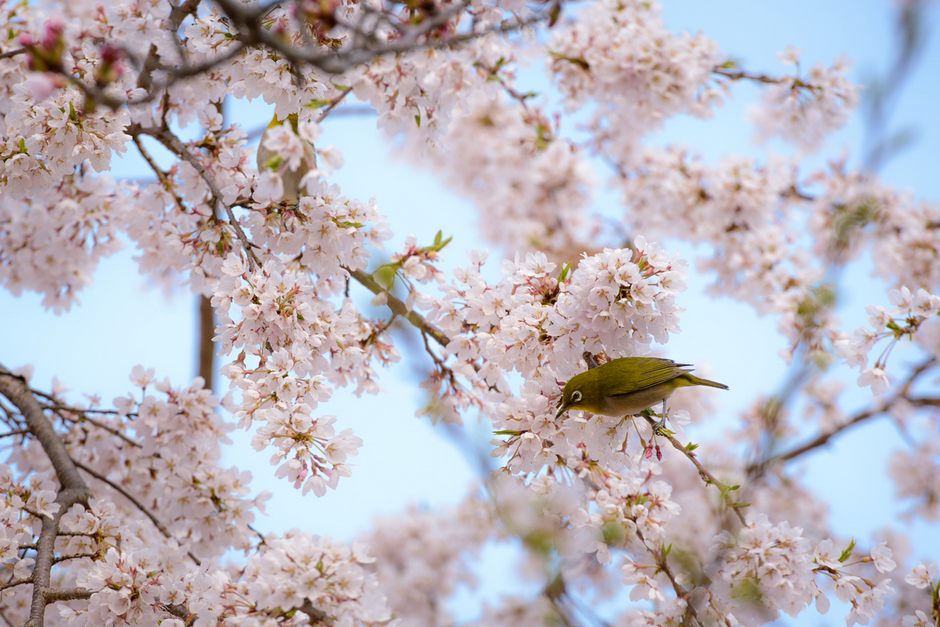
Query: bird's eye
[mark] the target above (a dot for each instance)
(576, 396)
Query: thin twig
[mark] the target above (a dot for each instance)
(399, 308)
(172, 143)
(140, 506)
(12, 53)
(161, 175)
(824, 437)
(703, 472)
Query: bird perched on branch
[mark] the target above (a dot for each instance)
(628, 385)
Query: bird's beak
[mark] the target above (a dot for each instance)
(561, 409)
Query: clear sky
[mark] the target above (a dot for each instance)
(123, 321)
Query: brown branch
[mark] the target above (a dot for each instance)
(74, 556)
(206, 346)
(161, 175)
(315, 614)
(173, 143)
(737, 75)
(181, 612)
(72, 490)
(67, 594)
(140, 506)
(333, 104)
(399, 308)
(94, 422)
(9, 54)
(660, 558)
(251, 32)
(16, 582)
(703, 472)
(824, 437)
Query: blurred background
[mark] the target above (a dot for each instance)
(122, 320)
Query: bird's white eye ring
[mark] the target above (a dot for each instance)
(576, 396)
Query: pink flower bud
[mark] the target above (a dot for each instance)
(52, 34)
(110, 54)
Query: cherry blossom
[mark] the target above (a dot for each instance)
(128, 511)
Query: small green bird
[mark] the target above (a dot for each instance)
(627, 386)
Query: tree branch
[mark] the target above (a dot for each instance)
(206, 357)
(173, 143)
(399, 308)
(140, 506)
(824, 437)
(67, 594)
(72, 487)
(703, 472)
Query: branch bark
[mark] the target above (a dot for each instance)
(140, 506)
(824, 437)
(72, 490)
(206, 357)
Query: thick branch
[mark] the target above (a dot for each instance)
(14, 388)
(206, 345)
(67, 594)
(73, 488)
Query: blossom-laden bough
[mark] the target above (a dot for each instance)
(124, 514)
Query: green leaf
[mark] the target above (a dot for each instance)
(418, 120)
(565, 271)
(507, 432)
(847, 551)
(347, 224)
(274, 163)
(748, 590)
(385, 274)
(613, 533)
(317, 103)
(691, 446)
(439, 243)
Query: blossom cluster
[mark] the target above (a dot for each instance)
(423, 557)
(743, 210)
(537, 322)
(805, 109)
(167, 534)
(910, 312)
(52, 239)
(619, 59)
(532, 190)
(293, 347)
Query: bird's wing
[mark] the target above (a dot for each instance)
(639, 373)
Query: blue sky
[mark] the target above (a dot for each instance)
(122, 320)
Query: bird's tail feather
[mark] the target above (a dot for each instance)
(700, 381)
